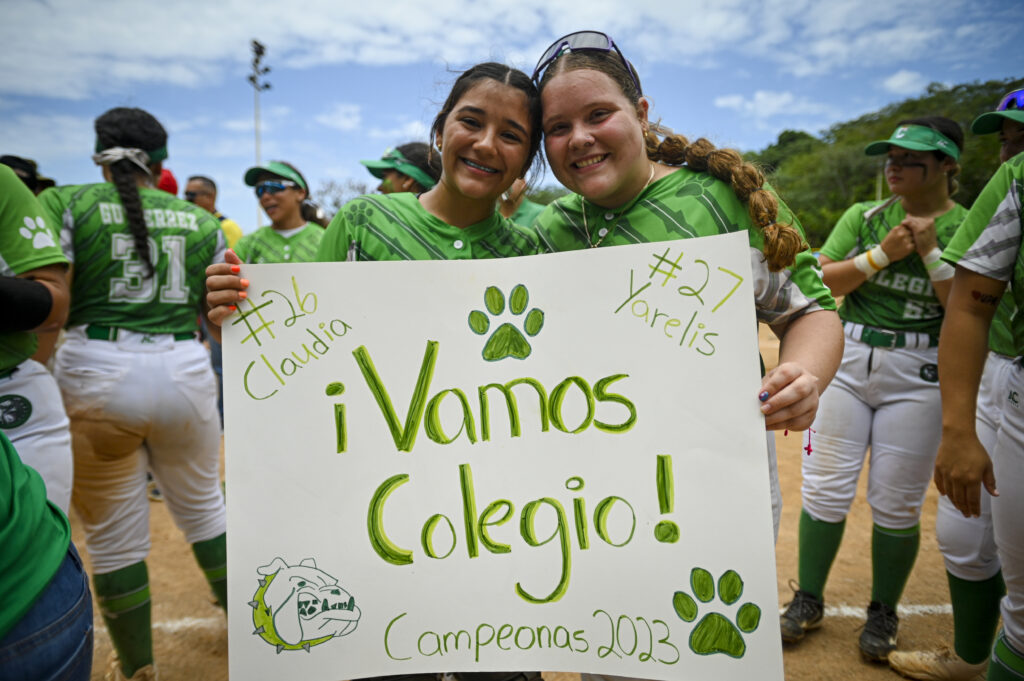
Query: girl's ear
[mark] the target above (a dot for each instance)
(642, 107)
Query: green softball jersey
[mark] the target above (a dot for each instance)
(989, 240)
(27, 242)
(111, 286)
(686, 205)
(527, 212)
(1000, 334)
(34, 537)
(397, 227)
(267, 245)
(899, 297)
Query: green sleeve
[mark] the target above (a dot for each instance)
(335, 242)
(983, 212)
(842, 241)
(243, 249)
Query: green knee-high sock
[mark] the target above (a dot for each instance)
(893, 553)
(212, 556)
(123, 596)
(819, 544)
(1007, 662)
(975, 615)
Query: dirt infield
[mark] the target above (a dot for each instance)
(190, 633)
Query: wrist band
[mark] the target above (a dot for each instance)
(872, 261)
(938, 270)
(931, 257)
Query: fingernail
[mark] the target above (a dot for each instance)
(243, 295)
(764, 396)
(232, 308)
(245, 282)
(766, 408)
(236, 269)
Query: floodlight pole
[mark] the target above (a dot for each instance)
(258, 85)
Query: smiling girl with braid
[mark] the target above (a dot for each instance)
(633, 186)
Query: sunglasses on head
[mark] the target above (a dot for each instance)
(582, 41)
(1014, 100)
(273, 187)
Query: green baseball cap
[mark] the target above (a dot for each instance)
(394, 160)
(1011, 106)
(915, 138)
(274, 168)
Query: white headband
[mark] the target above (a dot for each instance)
(115, 154)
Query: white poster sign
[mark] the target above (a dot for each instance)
(550, 463)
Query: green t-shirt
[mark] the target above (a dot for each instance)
(989, 240)
(27, 242)
(34, 537)
(267, 245)
(527, 212)
(685, 205)
(110, 286)
(899, 297)
(397, 227)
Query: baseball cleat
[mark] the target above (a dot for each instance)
(936, 665)
(801, 615)
(879, 636)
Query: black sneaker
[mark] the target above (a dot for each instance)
(879, 636)
(801, 615)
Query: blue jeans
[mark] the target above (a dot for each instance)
(53, 641)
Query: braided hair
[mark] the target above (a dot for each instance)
(782, 242)
(133, 129)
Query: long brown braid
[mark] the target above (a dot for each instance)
(132, 128)
(782, 242)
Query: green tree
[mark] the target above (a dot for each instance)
(819, 178)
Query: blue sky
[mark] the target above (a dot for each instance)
(351, 79)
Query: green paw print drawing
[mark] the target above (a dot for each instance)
(715, 633)
(506, 340)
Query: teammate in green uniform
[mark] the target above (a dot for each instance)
(408, 167)
(967, 543)
(281, 189)
(487, 135)
(988, 253)
(630, 185)
(34, 297)
(46, 628)
(136, 381)
(884, 257)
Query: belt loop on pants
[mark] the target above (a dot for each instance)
(883, 338)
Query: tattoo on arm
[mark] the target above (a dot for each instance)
(985, 298)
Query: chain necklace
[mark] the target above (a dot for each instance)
(609, 230)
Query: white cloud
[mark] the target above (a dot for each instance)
(191, 43)
(408, 132)
(766, 104)
(905, 82)
(341, 116)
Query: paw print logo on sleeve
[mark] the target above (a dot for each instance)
(507, 340)
(37, 232)
(716, 633)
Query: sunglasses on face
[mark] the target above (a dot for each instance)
(273, 187)
(191, 196)
(582, 41)
(1014, 100)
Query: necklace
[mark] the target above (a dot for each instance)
(609, 230)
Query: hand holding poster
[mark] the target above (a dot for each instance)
(555, 462)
